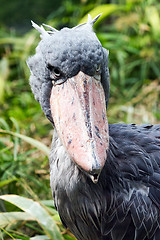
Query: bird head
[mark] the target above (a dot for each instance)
(70, 80)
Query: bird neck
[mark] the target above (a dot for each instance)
(65, 174)
(63, 171)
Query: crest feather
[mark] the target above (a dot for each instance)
(43, 32)
(92, 21)
(40, 29)
(89, 19)
(51, 28)
(89, 22)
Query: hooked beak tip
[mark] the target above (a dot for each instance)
(94, 178)
(94, 174)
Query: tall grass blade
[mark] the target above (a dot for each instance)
(4, 71)
(5, 182)
(16, 141)
(7, 233)
(4, 124)
(29, 140)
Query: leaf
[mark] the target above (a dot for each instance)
(40, 237)
(5, 182)
(67, 237)
(29, 140)
(6, 232)
(48, 203)
(16, 141)
(4, 123)
(37, 212)
(4, 72)
(8, 217)
(105, 9)
(153, 16)
(20, 237)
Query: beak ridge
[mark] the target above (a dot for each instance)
(79, 112)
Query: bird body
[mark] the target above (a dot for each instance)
(105, 179)
(125, 203)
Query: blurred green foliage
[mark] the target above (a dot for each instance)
(131, 31)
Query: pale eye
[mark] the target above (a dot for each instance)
(98, 68)
(55, 73)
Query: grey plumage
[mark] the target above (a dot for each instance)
(125, 203)
(69, 50)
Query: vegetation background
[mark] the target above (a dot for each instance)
(130, 29)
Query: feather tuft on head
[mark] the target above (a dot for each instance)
(90, 21)
(40, 29)
(53, 30)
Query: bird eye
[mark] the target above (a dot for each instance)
(55, 73)
(98, 68)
